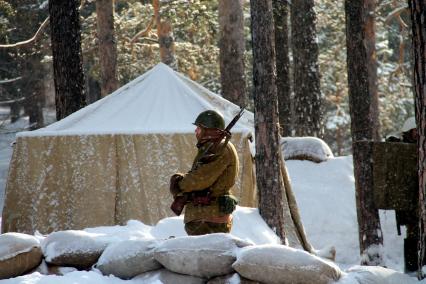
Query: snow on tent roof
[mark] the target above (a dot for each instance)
(159, 101)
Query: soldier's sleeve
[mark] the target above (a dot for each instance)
(205, 174)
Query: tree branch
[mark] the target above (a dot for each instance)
(397, 13)
(144, 32)
(29, 41)
(10, 80)
(12, 101)
(37, 34)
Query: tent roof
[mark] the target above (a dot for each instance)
(159, 101)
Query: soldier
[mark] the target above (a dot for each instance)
(409, 218)
(205, 189)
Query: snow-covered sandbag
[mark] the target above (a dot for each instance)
(19, 253)
(234, 278)
(282, 264)
(73, 248)
(305, 148)
(128, 258)
(165, 276)
(203, 256)
(378, 275)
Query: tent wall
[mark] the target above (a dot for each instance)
(74, 182)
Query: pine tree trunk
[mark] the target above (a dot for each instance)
(15, 111)
(231, 57)
(67, 57)
(418, 18)
(268, 175)
(33, 74)
(283, 65)
(107, 46)
(165, 38)
(362, 129)
(370, 42)
(307, 93)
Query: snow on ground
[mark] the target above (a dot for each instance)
(326, 199)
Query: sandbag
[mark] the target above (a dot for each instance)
(129, 258)
(279, 264)
(164, 276)
(78, 249)
(305, 148)
(19, 253)
(379, 275)
(202, 256)
(234, 278)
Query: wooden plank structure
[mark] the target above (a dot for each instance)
(395, 181)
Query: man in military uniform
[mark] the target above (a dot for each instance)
(206, 187)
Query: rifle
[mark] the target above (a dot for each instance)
(226, 133)
(180, 200)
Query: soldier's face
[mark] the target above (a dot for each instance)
(198, 131)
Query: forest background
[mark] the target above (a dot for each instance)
(26, 73)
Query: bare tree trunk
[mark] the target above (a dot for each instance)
(418, 19)
(362, 129)
(307, 92)
(33, 75)
(67, 57)
(283, 65)
(370, 42)
(107, 46)
(231, 57)
(15, 110)
(165, 38)
(268, 175)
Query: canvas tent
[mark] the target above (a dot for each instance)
(111, 161)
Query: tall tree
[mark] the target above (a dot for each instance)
(165, 38)
(418, 18)
(306, 86)
(231, 56)
(268, 175)
(32, 73)
(362, 129)
(283, 65)
(67, 57)
(107, 46)
(370, 43)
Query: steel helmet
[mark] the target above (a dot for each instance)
(409, 124)
(210, 119)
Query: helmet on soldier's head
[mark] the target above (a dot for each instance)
(409, 124)
(210, 119)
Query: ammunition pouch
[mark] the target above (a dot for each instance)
(202, 197)
(227, 203)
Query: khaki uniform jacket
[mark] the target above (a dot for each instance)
(219, 175)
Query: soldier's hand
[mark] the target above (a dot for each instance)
(174, 184)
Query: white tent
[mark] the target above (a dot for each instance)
(119, 152)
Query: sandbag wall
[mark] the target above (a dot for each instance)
(215, 258)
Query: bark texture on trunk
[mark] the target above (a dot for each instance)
(307, 93)
(67, 57)
(362, 129)
(165, 38)
(268, 175)
(418, 19)
(107, 46)
(370, 43)
(231, 56)
(281, 9)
